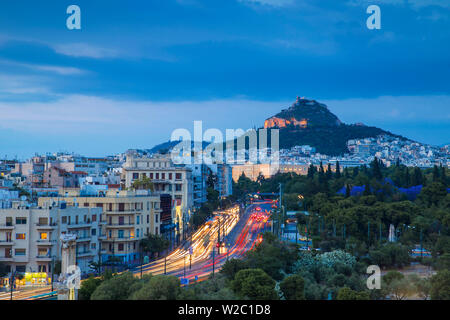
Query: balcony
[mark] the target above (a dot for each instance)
(118, 225)
(6, 258)
(84, 254)
(6, 242)
(102, 237)
(7, 226)
(45, 242)
(45, 257)
(133, 211)
(84, 239)
(79, 225)
(46, 226)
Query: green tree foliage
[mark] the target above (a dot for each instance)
(117, 288)
(346, 293)
(144, 183)
(88, 287)
(440, 286)
(254, 284)
(154, 244)
(159, 287)
(391, 255)
(293, 287)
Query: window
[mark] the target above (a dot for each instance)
(20, 236)
(137, 233)
(20, 252)
(120, 247)
(42, 252)
(135, 175)
(94, 217)
(20, 268)
(156, 218)
(93, 245)
(178, 187)
(43, 236)
(64, 219)
(8, 221)
(178, 176)
(93, 232)
(156, 230)
(138, 220)
(163, 176)
(157, 176)
(120, 234)
(151, 175)
(21, 220)
(43, 221)
(148, 218)
(170, 176)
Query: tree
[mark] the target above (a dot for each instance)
(399, 289)
(293, 287)
(329, 173)
(3, 270)
(154, 244)
(346, 293)
(233, 266)
(422, 285)
(144, 183)
(440, 286)
(433, 193)
(117, 288)
(376, 170)
(254, 284)
(159, 287)
(88, 287)
(338, 170)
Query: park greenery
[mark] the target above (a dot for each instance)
(349, 231)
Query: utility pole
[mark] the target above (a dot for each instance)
(380, 232)
(165, 264)
(421, 247)
(214, 260)
(12, 283)
(53, 266)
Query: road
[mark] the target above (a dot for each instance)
(241, 233)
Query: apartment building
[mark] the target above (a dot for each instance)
(167, 178)
(127, 217)
(29, 236)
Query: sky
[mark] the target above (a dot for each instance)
(138, 70)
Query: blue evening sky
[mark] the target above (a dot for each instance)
(137, 70)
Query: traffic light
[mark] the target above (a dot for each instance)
(218, 245)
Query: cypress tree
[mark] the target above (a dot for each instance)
(407, 178)
(435, 173)
(329, 174)
(338, 170)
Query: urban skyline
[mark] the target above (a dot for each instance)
(158, 67)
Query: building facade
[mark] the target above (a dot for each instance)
(127, 217)
(167, 178)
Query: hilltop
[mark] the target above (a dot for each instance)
(308, 122)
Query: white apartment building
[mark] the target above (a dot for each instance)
(167, 178)
(29, 237)
(127, 217)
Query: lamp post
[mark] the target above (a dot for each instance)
(165, 264)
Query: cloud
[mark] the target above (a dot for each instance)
(85, 50)
(62, 70)
(90, 114)
(272, 3)
(415, 4)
